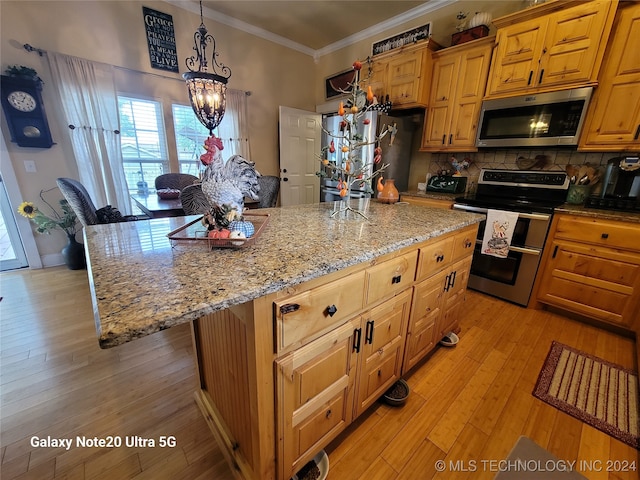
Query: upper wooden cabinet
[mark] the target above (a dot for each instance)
(555, 45)
(457, 87)
(613, 118)
(403, 74)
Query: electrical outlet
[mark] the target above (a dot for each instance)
(30, 166)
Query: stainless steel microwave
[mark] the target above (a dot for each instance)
(534, 120)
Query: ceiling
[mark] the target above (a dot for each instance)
(312, 26)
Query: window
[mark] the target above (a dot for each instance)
(143, 142)
(190, 137)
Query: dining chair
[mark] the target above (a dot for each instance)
(269, 188)
(176, 181)
(194, 201)
(76, 194)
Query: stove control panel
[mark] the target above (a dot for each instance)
(535, 179)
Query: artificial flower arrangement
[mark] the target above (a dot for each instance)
(65, 221)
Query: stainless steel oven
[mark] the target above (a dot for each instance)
(532, 195)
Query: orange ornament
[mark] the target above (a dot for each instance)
(341, 109)
(369, 93)
(343, 192)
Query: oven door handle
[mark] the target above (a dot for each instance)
(523, 250)
(526, 251)
(531, 216)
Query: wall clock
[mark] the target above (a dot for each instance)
(24, 111)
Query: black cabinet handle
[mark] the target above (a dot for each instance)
(439, 258)
(530, 77)
(396, 279)
(328, 414)
(605, 235)
(467, 243)
(357, 337)
(635, 137)
(368, 336)
(450, 138)
(288, 308)
(447, 281)
(331, 310)
(444, 137)
(541, 74)
(453, 279)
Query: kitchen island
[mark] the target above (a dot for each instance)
(296, 335)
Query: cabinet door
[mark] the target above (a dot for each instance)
(597, 282)
(383, 337)
(455, 285)
(426, 309)
(438, 119)
(572, 43)
(405, 72)
(378, 79)
(315, 386)
(517, 54)
(613, 118)
(471, 83)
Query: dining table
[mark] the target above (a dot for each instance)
(155, 207)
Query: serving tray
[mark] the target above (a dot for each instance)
(195, 231)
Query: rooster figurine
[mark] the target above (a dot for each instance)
(226, 184)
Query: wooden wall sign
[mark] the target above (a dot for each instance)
(161, 40)
(402, 39)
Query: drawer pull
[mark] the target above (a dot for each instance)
(331, 310)
(467, 243)
(357, 336)
(439, 258)
(328, 414)
(288, 308)
(605, 235)
(368, 336)
(396, 279)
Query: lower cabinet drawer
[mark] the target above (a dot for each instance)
(434, 257)
(302, 316)
(599, 232)
(390, 276)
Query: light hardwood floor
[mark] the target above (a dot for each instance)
(469, 404)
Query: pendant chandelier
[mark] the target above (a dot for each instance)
(207, 90)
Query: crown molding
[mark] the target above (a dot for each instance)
(407, 16)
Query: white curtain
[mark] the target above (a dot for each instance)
(234, 133)
(89, 100)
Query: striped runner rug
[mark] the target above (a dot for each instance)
(593, 390)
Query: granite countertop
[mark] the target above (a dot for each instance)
(432, 195)
(582, 211)
(141, 285)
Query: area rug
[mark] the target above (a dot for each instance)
(592, 390)
(529, 461)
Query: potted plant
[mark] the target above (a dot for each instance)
(66, 221)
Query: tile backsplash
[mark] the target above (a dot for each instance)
(506, 159)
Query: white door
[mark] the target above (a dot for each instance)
(299, 156)
(11, 250)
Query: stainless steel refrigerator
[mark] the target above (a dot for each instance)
(396, 151)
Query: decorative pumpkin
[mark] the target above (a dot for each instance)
(243, 226)
(480, 18)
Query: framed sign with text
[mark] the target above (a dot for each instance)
(402, 39)
(161, 40)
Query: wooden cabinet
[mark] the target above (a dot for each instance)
(283, 375)
(457, 87)
(315, 395)
(592, 268)
(438, 299)
(613, 118)
(555, 45)
(403, 74)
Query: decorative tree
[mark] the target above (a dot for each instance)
(351, 166)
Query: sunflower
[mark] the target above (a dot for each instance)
(27, 209)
